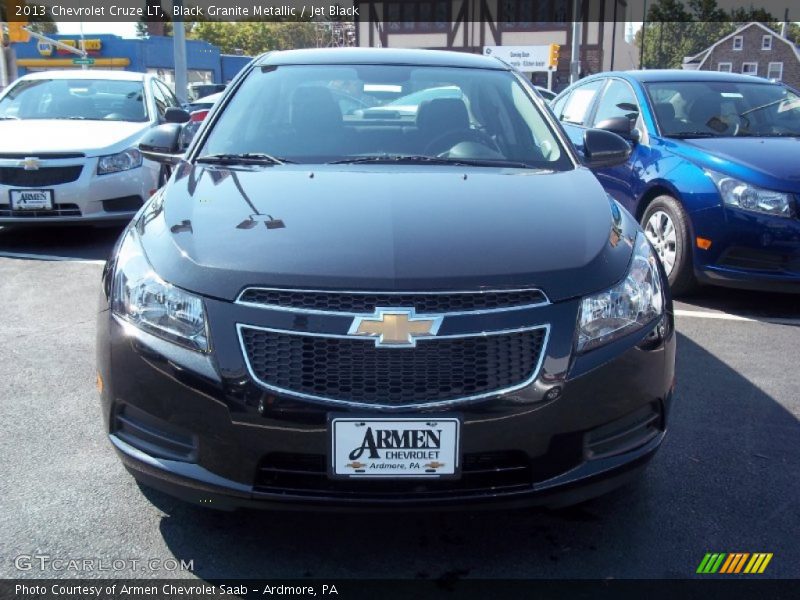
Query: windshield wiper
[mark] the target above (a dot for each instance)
(247, 158)
(430, 160)
(691, 134)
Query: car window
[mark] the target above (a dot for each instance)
(725, 108)
(160, 99)
(559, 103)
(576, 110)
(169, 96)
(87, 99)
(451, 113)
(618, 100)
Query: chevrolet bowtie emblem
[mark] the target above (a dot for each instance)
(30, 163)
(395, 327)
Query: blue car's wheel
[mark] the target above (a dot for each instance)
(666, 225)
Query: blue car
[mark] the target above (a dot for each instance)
(714, 172)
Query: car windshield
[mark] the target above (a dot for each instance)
(90, 99)
(724, 109)
(316, 114)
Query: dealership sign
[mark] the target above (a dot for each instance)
(524, 58)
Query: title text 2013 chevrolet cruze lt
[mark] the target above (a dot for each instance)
(425, 308)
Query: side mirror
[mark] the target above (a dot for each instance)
(621, 126)
(604, 149)
(176, 115)
(162, 144)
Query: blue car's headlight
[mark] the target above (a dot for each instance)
(145, 300)
(121, 161)
(630, 305)
(749, 197)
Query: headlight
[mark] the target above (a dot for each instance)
(626, 307)
(122, 161)
(749, 197)
(145, 300)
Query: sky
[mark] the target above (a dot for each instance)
(122, 29)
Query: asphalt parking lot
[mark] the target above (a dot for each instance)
(726, 479)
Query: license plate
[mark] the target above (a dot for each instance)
(31, 199)
(395, 448)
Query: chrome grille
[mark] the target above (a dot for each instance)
(367, 302)
(355, 371)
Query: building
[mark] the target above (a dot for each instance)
(205, 62)
(753, 49)
(471, 25)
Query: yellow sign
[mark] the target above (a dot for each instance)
(553, 55)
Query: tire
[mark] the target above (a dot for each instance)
(673, 246)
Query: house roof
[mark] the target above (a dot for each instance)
(707, 51)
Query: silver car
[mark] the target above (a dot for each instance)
(68, 146)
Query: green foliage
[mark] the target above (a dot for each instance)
(254, 37)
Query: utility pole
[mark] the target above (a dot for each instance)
(641, 37)
(3, 64)
(179, 45)
(575, 52)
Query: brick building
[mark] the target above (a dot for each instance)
(753, 49)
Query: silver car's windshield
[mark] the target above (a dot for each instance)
(89, 99)
(362, 113)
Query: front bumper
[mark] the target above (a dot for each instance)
(748, 251)
(91, 198)
(217, 433)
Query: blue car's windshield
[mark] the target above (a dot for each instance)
(432, 115)
(686, 109)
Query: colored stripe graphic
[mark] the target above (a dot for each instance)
(711, 562)
(758, 563)
(724, 563)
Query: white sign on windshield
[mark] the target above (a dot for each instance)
(524, 58)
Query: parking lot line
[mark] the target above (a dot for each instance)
(701, 314)
(50, 257)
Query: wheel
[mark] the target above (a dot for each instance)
(666, 225)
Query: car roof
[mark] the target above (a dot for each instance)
(87, 74)
(210, 99)
(380, 56)
(665, 75)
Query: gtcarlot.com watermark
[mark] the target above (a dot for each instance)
(48, 563)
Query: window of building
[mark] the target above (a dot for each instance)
(766, 42)
(738, 42)
(750, 68)
(517, 15)
(418, 16)
(775, 71)
(725, 67)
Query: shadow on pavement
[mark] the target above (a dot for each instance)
(745, 303)
(725, 481)
(77, 242)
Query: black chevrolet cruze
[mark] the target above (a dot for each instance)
(382, 278)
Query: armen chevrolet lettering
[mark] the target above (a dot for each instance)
(383, 439)
(336, 303)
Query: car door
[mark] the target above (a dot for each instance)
(574, 109)
(618, 99)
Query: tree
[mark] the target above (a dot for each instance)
(255, 37)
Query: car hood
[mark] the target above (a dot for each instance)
(769, 162)
(38, 136)
(216, 230)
